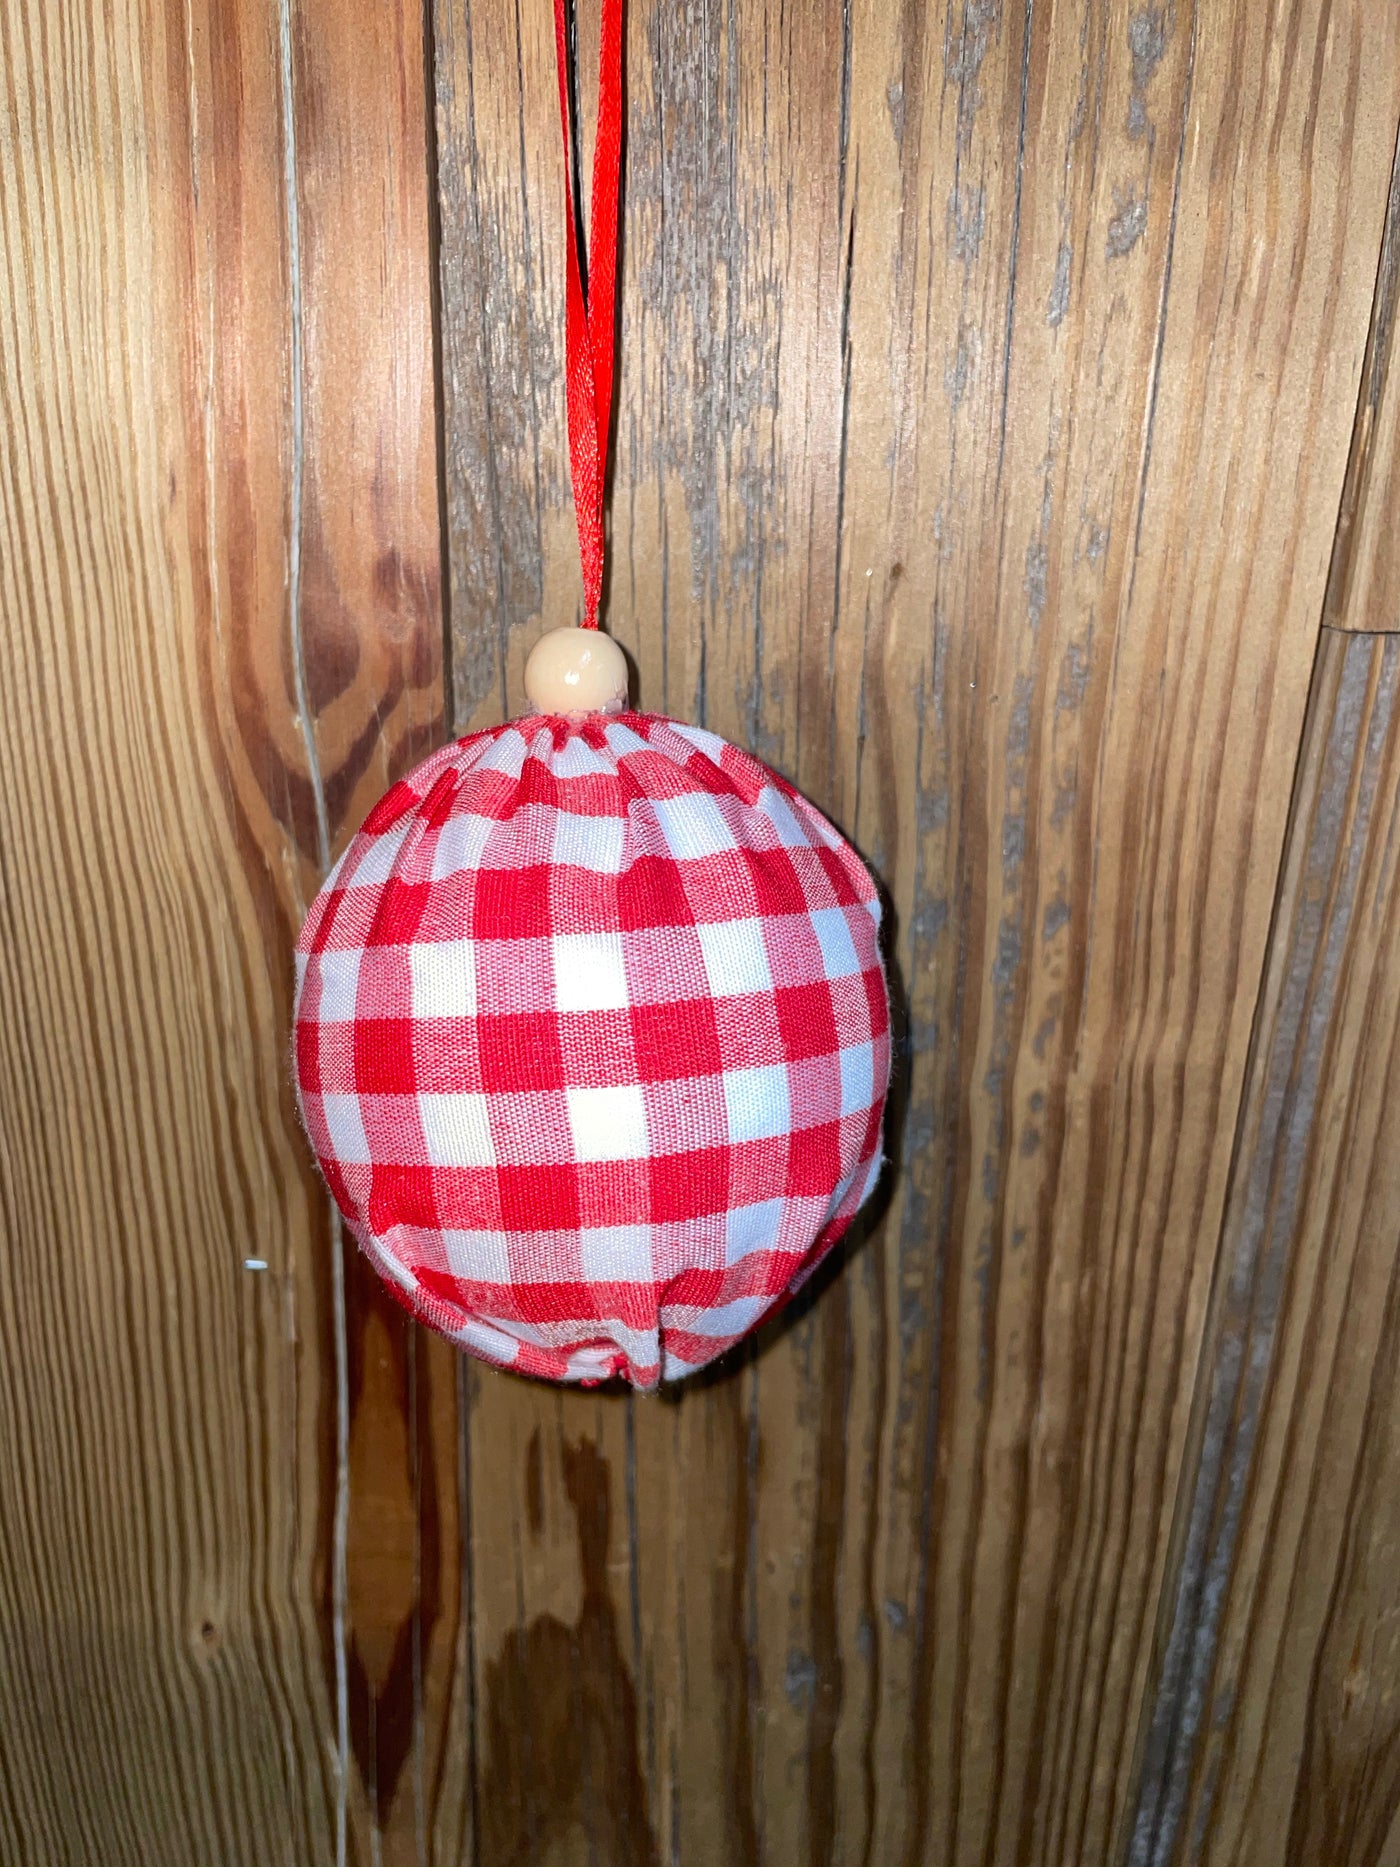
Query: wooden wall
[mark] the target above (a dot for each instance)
(228, 1532)
(1006, 441)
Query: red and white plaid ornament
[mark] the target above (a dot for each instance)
(592, 1043)
(592, 1038)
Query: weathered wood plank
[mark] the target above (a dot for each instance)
(1363, 591)
(369, 607)
(984, 411)
(220, 635)
(162, 1445)
(1276, 1731)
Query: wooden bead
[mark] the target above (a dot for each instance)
(576, 671)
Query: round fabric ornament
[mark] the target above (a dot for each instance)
(592, 1043)
(591, 1030)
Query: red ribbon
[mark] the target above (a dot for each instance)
(591, 313)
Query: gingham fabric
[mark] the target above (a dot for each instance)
(592, 1043)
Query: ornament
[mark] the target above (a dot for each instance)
(592, 1035)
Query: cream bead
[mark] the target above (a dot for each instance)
(576, 671)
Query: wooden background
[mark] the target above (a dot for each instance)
(1008, 447)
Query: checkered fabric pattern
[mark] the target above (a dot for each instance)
(592, 1043)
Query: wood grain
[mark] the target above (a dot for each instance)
(984, 413)
(1363, 591)
(1276, 1734)
(219, 537)
(370, 629)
